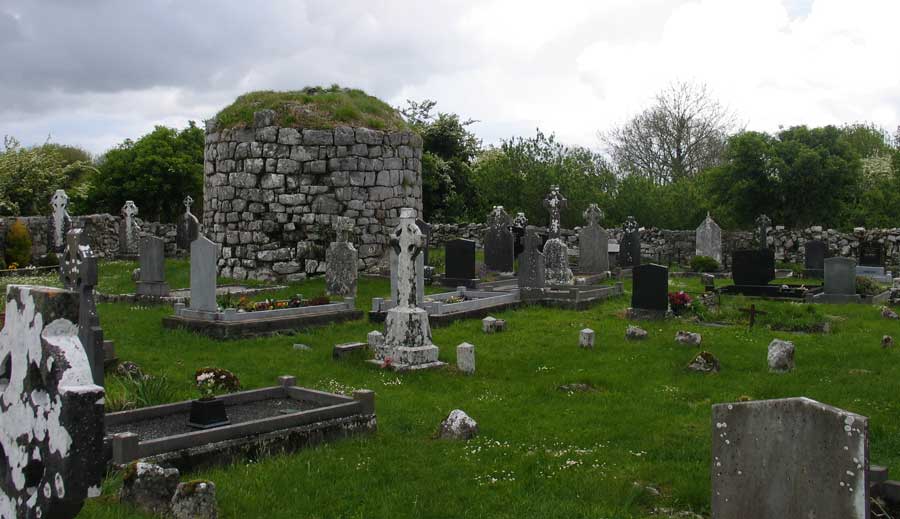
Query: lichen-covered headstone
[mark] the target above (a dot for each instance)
(153, 267)
(407, 330)
(204, 254)
(187, 227)
(709, 239)
(128, 230)
(788, 458)
(51, 425)
(531, 262)
(630, 247)
(556, 252)
(341, 261)
(60, 218)
(499, 242)
(593, 242)
(465, 358)
(78, 273)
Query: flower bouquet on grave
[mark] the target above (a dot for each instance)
(209, 411)
(296, 301)
(679, 302)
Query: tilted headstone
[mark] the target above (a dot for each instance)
(650, 288)
(709, 239)
(459, 263)
(593, 242)
(60, 218)
(204, 256)
(51, 425)
(519, 223)
(790, 458)
(556, 252)
(762, 225)
(499, 244)
(814, 258)
(152, 260)
(531, 262)
(630, 246)
(754, 267)
(128, 230)
(342, 261)
(407, 330)
(871, 254)
(188, 227)
(78, 273)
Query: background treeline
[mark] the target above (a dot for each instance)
(683, 156)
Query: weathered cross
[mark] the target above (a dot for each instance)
(129, 210)
(520, 221)
(407, 241)
(188, 201)
(499, 218)
(554, 203)
(59, 201)
(593, 214)
(763, 222)
(343, 226)
(630, 225)
(753, 312)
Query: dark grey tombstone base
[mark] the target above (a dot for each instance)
(459, 282)
(181, 295)
(446, 319)
(224, 330)
(771, 291)
(154, 289)
(641, 314)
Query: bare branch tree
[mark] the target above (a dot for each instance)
(683, 133)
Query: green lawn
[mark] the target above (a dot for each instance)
(541, 452)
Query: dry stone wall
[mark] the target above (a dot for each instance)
(271, 194)
(102, 231)
(679, 246)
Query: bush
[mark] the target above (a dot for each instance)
(18, 244)
(867, 286)
(48, 260)
(132, 392)
(704, 264)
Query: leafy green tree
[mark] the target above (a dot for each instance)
(449, 150)
(519, 173)
(28, 178)
(156, 171)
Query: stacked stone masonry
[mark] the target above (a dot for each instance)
(271, 194)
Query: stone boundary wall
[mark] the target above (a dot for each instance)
(102, 231)
(271, 194)
(662, 244)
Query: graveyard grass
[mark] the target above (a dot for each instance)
(541, 452)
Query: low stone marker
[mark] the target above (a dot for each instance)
(781, 356)
(688, 338)
(492, 325)
(788, 458)
(586, 339)
(465, 358)
(342, 350)
(704, 362)
(635, 333)
(458, 426)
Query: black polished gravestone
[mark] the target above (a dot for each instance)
(814, 259)
(871, 254)
(650, 290)
(459, 264)
(630, 250)
(754, 267)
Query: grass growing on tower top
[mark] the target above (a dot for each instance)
(313, 107)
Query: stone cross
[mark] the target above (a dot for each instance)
(752, 312)
(630, 225)
(520, 221)
(593, 214)
(343, 226)
(407, 241)
(78, 273)
(498, 217)
(129, 211)
(554, 203)
(61, 220)
(188, 201)
(763, 223)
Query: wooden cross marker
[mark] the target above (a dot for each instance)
(753, 312)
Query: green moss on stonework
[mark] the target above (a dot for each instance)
(313, 107)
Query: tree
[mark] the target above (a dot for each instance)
(28, 178)
(156, 172)
(449, 150)
(683, 133)
(519, 173)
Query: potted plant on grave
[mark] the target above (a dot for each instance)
(679, 302)
(209, 411)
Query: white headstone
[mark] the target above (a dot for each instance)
(709, 239)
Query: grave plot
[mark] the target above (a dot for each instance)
(843, 284)
(753, 272)
(446, 307)
(183, 295)
(276, 419)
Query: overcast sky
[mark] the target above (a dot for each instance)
(94, 72)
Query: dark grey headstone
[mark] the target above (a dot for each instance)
(187, 230)
(459, 259)
(152, 259)
(531, 262)
(814, 258)
(630, 250)
(871, 254)
(840, 276)
(789, 458)
(341, 269)
(51, 424)
(650, 289)
(754, 267)
(499, 244)
(204, 255)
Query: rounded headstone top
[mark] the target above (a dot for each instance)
(311, 107)
(407, 212)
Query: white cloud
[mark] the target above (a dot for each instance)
(570, 66)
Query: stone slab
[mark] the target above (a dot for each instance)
(226, 330)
